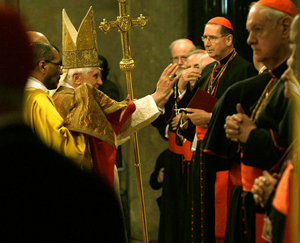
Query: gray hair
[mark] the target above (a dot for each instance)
(272, 14)
(197, 52)
(71, 71)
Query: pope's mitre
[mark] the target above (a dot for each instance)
(79, 48)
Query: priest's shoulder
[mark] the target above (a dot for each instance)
(243, 63)
(36, 95)
(251, 82)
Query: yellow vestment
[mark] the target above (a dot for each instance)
(41, 115)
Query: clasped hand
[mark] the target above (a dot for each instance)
(238, 126)
(263, 187)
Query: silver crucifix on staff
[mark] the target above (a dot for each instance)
(124, 24)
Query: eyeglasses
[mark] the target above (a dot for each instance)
(176, 59)
(57, 64)
(212, 38)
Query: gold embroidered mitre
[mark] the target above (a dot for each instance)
(79, 48)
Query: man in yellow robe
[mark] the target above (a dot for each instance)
(39, 110)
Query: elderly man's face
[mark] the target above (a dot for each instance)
(93, 77)
(215, 44)
(193, 60)
(264, 38)
(180, 52)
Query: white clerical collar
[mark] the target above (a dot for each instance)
(36, 84)
(67, 85)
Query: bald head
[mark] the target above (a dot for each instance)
(35, 36)
(180, 50)
(193, 58)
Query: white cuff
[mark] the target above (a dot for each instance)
(183, 124)
(180, 95)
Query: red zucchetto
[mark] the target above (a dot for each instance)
(285, 6)
(221, 21)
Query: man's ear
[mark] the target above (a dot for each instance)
(229, 39)
(76, 78)
(286, 23)
(41, 66)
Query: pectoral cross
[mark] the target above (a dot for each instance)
(124, 24)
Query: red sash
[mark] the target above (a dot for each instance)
(173, 146)
(186, 150)
(223, 188)
(249, 174)
(235, 174)
(281, 199)
(200, 131)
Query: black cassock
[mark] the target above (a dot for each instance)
(199, 218)
(260, 150)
